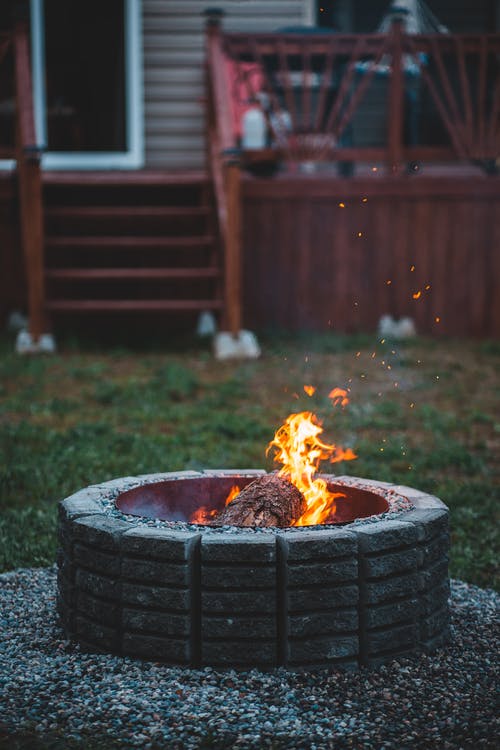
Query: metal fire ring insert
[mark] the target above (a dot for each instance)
(340, 596)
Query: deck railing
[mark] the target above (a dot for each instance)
(312, 87)
(26, 154)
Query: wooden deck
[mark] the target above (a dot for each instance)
(309, 263)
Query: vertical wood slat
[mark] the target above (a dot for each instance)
(375, 261)
(477, 236)
(493, 136)
(466, 94)
(424, 272)
(401, 259)
(459, 273)
(306, 87)
(326, 85)
(396, 92)
(481, 98)
(385, 251)
(303, 241)
(233, 259)
(287, 84)
(493, 271)
(359, 260)
(442, 263)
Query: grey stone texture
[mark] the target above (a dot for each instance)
(238, 580)
(325, 597)
(171, 650)
(326, 544)
(360, 594)
(318, 649)
(158, 544)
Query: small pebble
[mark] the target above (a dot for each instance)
(50, 689)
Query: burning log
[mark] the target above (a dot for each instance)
(268, 501)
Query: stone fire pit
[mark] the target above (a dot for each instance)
(136, 578)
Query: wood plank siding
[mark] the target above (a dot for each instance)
(174, 91)
(310, 264)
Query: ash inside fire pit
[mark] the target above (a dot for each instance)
(202, 499)
(345, 594)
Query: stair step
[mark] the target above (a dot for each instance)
(68, 274)
(128, 212)
(120, 242)
(124, 305)
(126, 178)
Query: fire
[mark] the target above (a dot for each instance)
(339, 396)
(235, 490)
(300, 450)
(203, 515)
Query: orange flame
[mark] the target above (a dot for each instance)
(339, 396)
(235, 490)
(300, 451)
(203, 515)
(309, 389)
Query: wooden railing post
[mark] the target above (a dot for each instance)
(233, 256)
(29, 184)
(226, 173)
(215, 61)
(396, 97)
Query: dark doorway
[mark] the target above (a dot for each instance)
(85, 75)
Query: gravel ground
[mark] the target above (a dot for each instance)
(49, 689)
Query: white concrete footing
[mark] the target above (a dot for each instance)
(206, 324)
(25, 343)
(242, 346)
(396, 329)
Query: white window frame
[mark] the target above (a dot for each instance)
(309, 12)
(133, 156)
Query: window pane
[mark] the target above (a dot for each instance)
(85, 86)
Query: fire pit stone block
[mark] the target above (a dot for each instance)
(342, 596)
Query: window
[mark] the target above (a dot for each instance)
(87, 83)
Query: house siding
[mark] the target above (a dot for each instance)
(174, 87)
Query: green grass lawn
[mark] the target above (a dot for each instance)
(424, 413)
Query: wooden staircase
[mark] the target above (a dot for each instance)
(130, 242)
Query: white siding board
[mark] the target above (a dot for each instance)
(174, 86)
(157, 110)
(169, 126)
(156, 92)
(170, 75)
(160, 58)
